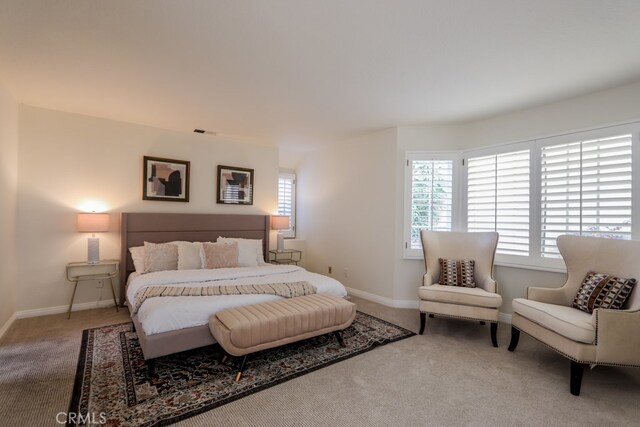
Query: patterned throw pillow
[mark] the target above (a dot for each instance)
(160, 257)
(457, 273)
(219, 255)
(602, 291)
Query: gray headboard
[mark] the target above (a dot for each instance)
(136, 228)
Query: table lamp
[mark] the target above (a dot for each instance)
(93, 223)
(280, 222)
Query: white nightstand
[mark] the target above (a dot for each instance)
(83, 271)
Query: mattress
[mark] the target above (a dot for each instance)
(164, 314)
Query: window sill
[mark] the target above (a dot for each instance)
(550, 269)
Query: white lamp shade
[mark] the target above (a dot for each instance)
(279, 222)
(93, 222)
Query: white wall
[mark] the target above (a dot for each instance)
(67, 159)
(8, 206)
(346, 208)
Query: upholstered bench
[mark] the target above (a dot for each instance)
(247, 329)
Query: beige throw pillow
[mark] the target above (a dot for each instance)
(219, 255)
(160, 257)
(249, 251)
(189, 255)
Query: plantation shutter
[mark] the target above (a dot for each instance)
(585, 190)
(286, 200)
(431, 197)
(498, 189)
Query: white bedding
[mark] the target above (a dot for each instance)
(163, 314)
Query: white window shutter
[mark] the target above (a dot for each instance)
(498, 192)
(287, 200)
(585, 190)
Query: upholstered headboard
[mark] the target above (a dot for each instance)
(136, 228)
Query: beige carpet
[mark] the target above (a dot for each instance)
(449, 376)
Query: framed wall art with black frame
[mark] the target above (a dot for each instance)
(235, 185)
(165, 179)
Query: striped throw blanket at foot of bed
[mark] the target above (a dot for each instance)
(286, 290)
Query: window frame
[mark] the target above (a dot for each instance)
(454, 156)
(289, 174)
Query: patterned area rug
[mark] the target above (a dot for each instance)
(112, 386)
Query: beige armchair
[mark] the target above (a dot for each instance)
(606, 337)
(479, 303)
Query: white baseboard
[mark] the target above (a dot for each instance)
(502, 317)
(7, 325)
(23, 314)
(383, 300)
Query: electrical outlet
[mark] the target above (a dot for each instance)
(330, 269)
(346, 272)
(100, 283)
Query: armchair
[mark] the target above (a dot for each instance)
(606, 337)
(479, 303)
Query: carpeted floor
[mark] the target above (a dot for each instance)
(449, 376)
(112, 379)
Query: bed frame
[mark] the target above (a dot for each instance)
(136, 228)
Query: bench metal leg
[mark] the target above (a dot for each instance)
(241, 369)
(339, 338)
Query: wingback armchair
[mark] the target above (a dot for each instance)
(474, 303)
(605, 337)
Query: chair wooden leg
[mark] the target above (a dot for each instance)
(515, 337)
(423, 321)
(494, 333)
(338, 336)
(576, 377)
(241, 369)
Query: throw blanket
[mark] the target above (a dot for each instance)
(286, 290)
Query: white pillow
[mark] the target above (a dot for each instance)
(249, 251)
(137, 255)
(189, 255)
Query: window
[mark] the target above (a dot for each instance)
(585, 189)
(430, 202)
(287, 200)
(498, 191)
(530, 192)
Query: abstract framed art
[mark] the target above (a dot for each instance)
(235, 185)
(165, 179)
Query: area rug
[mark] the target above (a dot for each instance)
(112, 386)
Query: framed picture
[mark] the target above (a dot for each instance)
(165, 179)
(235, 185)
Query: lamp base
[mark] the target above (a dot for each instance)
(93, 250)
(280, 242)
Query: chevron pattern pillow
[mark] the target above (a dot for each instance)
(457, 272)
(602, 291)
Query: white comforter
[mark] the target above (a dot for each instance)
(165, 314)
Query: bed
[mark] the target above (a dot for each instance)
(173, 324)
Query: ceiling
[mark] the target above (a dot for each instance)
(298, 73)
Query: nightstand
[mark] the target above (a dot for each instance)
(285, 256)
(83, 271)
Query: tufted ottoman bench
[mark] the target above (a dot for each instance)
(244, 330)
